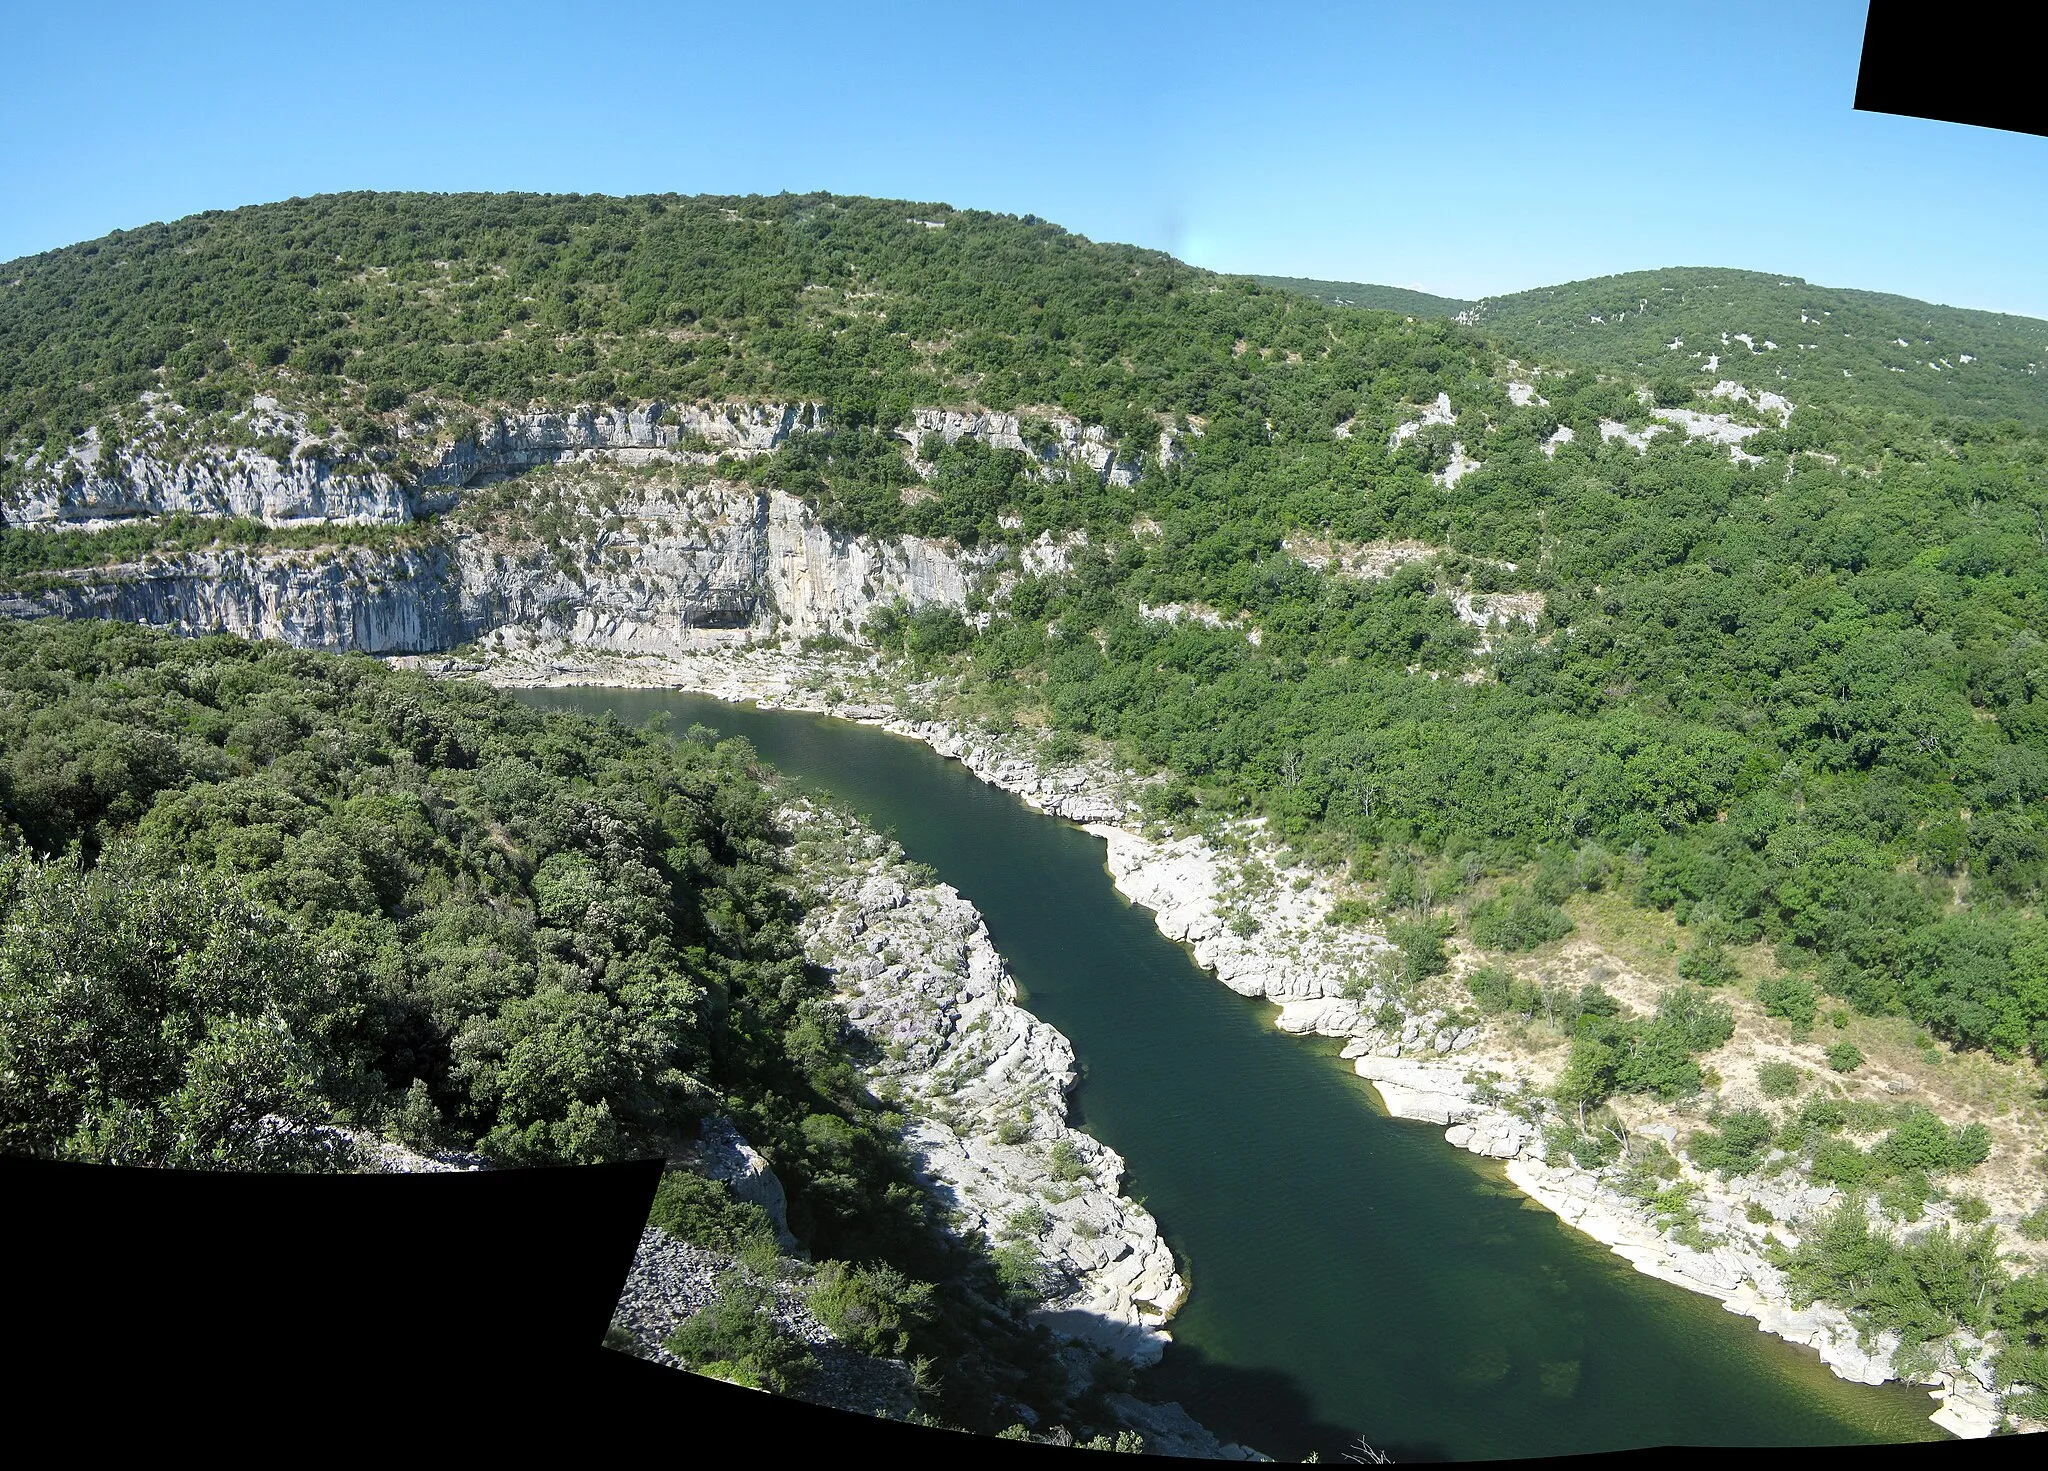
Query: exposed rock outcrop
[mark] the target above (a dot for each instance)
(983, 1083)
(293, 479)
(691, 569)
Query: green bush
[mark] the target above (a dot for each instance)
(2022, 1317)
(1839, 1162)
(737, 1337)
(1516, 920)
(1496, 990)
(1739, 1145)
(1920, 1141)
(1350, 911)
(1791, 997)
(1420, 946)
(1021, 1271)
(1067, 1163)
(1778, 1079)
(1845, 1057)
(1709, 965)
(874, 1308)
(703, 1212)
(2034, 1225)
(1921, 1290)
(1061, 748)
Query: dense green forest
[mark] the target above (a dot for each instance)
(1818, 344)
(1373, 298)
(1802, 701)
(372, 310)
(1798, 699)
(248, 893)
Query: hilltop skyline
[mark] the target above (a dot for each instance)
(1523, 151)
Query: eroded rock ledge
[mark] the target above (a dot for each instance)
(983, 1084)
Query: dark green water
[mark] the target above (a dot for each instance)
(1351, 1274)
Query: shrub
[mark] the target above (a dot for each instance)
(1791, 997)
(874, 1308)
(1349, 911)
(1493, 989)
(1020, 1271)
(2034, 1225)
(738, 1338)
(2022, 1316)
(1707, 964)
(1028, 1221)
(1838, 1162)
(1922, 1290)
(1921, 1141)
(1778, 1079)
(1517, 920)
(1845, 1057)
(1067, 1164)
(1738, 1147)
(1062, 748)
(703, 1212)
(1823, 1114)
(1420, 944)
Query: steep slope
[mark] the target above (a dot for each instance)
(382, 323)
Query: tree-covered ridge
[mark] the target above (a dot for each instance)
(1826, 345)
(374, 311)
(1364, 294)
(1814, 344)
(547, 939)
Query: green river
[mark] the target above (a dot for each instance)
(1351, 1274)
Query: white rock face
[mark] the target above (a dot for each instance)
(375, 602)
(984, 1083)
(237, 482)
(1437, 413)
(704, 568)
(1068, 440)
(652, 433)
(721, 1154)
(93, 486)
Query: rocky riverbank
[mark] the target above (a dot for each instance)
(983, 1084)
(1260, 927)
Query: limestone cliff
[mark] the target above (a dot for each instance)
(665, 570)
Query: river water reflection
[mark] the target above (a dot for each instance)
(1352, 1275)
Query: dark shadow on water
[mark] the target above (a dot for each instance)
(1265, 1409)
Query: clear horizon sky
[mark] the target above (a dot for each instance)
(1467, 150)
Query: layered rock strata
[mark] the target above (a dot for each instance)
(293, 481)
(685, 569)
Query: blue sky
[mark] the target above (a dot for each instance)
(1463, 149)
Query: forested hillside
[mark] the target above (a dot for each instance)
(373, 311)
(1490, 615)
(247, 894)
(1772, 333)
